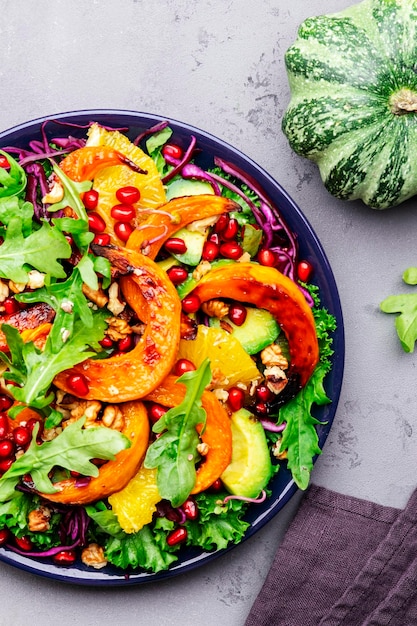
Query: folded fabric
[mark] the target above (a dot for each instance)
(343, 561)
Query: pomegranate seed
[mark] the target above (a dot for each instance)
(5, 464)
(123, 212)
(103, 239)
(172, 151)
(65, 557)
(237, 314)
(191, 304)
(214, 238)
(4, 536)
(231, 230)
(217, 485)
(231, 250)
(210, 251)
(128, 194)
(21, 436)
(4, 163)
(267, 257)
(177, 275)
(11, 305)
(5, 402)
(304, 271)
(221, 223)
(156, 411)
(69, 239)
(78, 384)
(190, 509)
(236, 398)
(24, 543)
(4, 425)
(123, 230)
(30, 425)
(263, 393)
(175, 245)
(182, 366)
(106, 342)
(96, 223)
(125, 344)
(261, 408)
(90, 199)
(6, 449)
(177, 536)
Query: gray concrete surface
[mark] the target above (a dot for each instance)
(218, 64)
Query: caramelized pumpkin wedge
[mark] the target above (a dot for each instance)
(217, 433)
(159, 226)
(86, 162)
(266, 288)
(113, 475)
(26, 319)
(136, 373)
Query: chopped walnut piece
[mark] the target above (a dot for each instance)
(4, 291)
(275, 379)
(93, 556)
(16, 287)
(277, 452)
(272, 355)
(95, 295)
(38, 519)
(218, 379)
(245, 258)
(201, 269)
(115, 305)
(215, 308)
(221, 394)
(112, 417)
(201, 226)
(118, 328)
(203, 448)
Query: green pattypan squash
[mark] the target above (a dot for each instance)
(353, 107)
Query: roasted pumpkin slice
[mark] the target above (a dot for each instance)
(152, 233)
(136, 373)
(113, 475)
(217, 433)
(267, 288)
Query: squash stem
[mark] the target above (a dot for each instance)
(403, 101)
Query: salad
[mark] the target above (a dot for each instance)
(162, 347)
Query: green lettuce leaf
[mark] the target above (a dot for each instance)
(218, 524)
(13, 180)
(147, 548)
(406, 305)
(174, 453)
(72, 449)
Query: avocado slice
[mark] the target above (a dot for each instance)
(259, 329)
(182, 187)
(250, 468)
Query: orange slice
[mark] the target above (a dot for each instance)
(110, 179)
(135, 505)
(229, 362)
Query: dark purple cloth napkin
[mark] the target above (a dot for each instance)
(343, 561)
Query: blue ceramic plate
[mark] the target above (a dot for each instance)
(283, 487)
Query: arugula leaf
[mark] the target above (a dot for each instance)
(406, 305)
(105, 519)
(12, 181)
(72, 449)
(218, 524)
(34, 369)
(174, 453)
(147, 548)
(72, 191)
(40, 250)
(300, 438)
